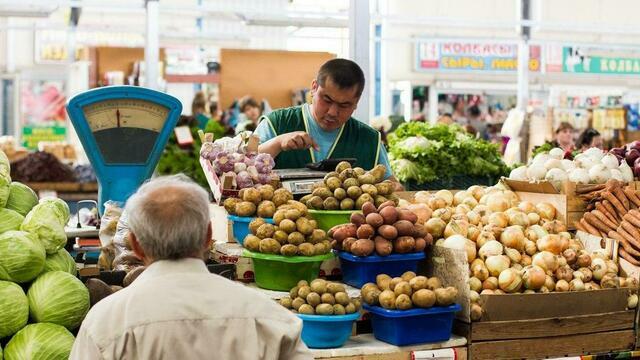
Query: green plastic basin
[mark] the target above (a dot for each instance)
(329, 218)
(277, 272)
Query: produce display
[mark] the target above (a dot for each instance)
(262, 201)
(40, 341)
(320, 297)
(41, 166)
(383, 230)
(349, 188)
(293, 232)
(591, 167)
(629, 154)
(423, 152)
(408, 291)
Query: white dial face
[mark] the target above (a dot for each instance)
(125, 113)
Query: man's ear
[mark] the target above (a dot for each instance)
(135, 246)
(314, 86)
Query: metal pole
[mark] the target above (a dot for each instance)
(523, 56)
(152, 46)
(359, 34)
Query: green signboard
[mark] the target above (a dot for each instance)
(587, 61)
(32, 135)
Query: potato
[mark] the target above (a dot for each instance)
(306, 249)
(342, 232)
(359, 171)
(446, 296)
(405, 214)
(322, 192)
(402, 287)
(369, 189)
(292, 214)
(281, 237)
(342, 298)
(423, 298)
(328, 298)
(403, 302)
(280, 199)
(374, 219)
(383, 246)
(347, 244)
(389, 215)
(418, 283)
(335, 288)
(302, 283)
(298, 205)
(384, 188)
(241, 194)
(404, 227)
(289, 250)
(349, 182)
(266, 209)
(347, 204)
(404, 244)
(388, 232)
(313, 299)
(357, 219)
(362, 247)
(346, 174)
(338, 309)
(278, 216)
(371, 296)
(387, 299)
(363, 199)
(408, 275)
(287, 225)
(265, 231)
(324, 309)
(343, 165)
(266, 192)
(340, 194)
(378, 172)
(255, 224)
(295, 238)
(419, 231)
(304, 291)
(98, 289)
(421, 244)
(245, 208)
(394, 281)
(303, 226)
(293, 293)
(434, 283)
(365, 231)
(252, 243)
(318, 235)
(330, 175)
(252, 195)
(382, 281)
(297, 303)
(350, 308)
(331, 203)
(286, 302)
(333, 183)
(306, 309)
(354, 192)
(269, 246)
(366, 179)
(230, 204)
(284, 193)
(319, 286)
(315, 202)
(379, 200)
(313, 223)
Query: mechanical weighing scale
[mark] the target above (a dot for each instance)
(300, 181)
(123, 130)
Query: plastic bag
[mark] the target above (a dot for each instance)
(109, 222)
(125, 259)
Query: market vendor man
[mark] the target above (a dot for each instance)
(299, 135)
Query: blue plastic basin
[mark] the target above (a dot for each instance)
(359, 270)
(414, 326)
(241, 226)
(327, 331)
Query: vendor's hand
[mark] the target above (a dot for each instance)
(296, 140)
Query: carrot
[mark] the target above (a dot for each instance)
(600, 207)
(589, 188)
(607, 204)
(590, 229)
(602, 217)
(622, 197)
(625, 255)
(630, 239)
(632, 230)
(631, 194)
(632, 219)
(597, 223)
(617, 205)
(635, 213)
(579, 226)
(630, 249)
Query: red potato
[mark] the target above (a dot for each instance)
(404, 244)
(363, 247)
(384, 247)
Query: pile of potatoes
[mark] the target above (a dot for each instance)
(407, 291)
(349, 188)
(294, 232)
(383, 231)
(262, 201)
(321, 297)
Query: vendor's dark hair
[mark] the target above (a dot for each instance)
(587, 136)
(344, 73)
(248, 101)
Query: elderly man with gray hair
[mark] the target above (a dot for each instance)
(176, 309)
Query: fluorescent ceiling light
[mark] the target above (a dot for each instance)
(27, 10)
(298, 22)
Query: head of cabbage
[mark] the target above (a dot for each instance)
(21, 256)
(10, 220)
(5, 189)
(60, 261)
(44, 222)
(14, 308)
(60, 298)
(5, 169)
(40, 341)
(59, 206)
(21, 198)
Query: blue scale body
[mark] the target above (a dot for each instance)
(119, 176)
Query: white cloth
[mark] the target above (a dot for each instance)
(178, 310)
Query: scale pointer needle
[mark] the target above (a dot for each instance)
(118, 116)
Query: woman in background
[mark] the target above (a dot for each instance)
(251, 111)
(589, 138)
(199, 109)
(564, 137)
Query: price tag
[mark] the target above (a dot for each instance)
(183, 135)
(441, 354)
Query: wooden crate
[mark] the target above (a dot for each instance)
(553, 324)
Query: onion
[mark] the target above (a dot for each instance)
(473, 233)
(526, 260)
(499, 292)
(484, 237)
(632, 301)
(627, 173)
(576, 285)
(562, 286)
(475, 311)
(552, 243)
(565, 235)
(490, 284)
(436, 203)
(570, 255)
(554, 226)
(610, 161)
(497, 203)
(546, 260)
(519, 173)
(536, 232)
(549, 283)
(479, 270)
(497, 264)
(584, 260)
(540, 159)
(530, 248)
(513, 237)
(513, 255)
(461, 243)
(456, 227)
(599, 174)
(584, 161)
(475, 284)
(444, 214)
(459, 197)
(510, 280)
(528, 292)
(564, 273)
(470, 202)
(527, 207)
(446, 195)
(561, 261)
(517, 267)
(594, 153)
(617, 175)
(487, 292)
(610, 281)
(476, 191)
(588, 275)
(578, 275)
(568, 165)
(591, 286)
(553, 164)
(579, 176)
(556, 177)
(536, 172)
(462, 209)
(495, 229)
(534, 218)
(474, 217)
(435, 227)
(546, 211)
(511, 197)
(598, 268)
(556, 153)
(533, 277)
(519, 218)
(544, 290)
(612, 267)
(499, 219)
(575, 245)
(422, 197)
